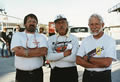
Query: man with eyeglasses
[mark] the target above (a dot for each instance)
(29, 48)
(62, 49)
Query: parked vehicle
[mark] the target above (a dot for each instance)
(80, 32)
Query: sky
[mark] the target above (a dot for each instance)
(76, 11)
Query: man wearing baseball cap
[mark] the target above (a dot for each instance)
(62, 49)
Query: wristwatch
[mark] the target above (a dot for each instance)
(26, 52)
(88, 59)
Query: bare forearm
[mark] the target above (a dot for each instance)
(84, 63)
(101, 62)
(33, 52)
(19, 51)
(3, 40)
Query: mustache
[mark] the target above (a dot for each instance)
(95, 29)
(32, 25)
(96, 33)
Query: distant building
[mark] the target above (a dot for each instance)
(9, 21)
(114, 30)
(115, 8)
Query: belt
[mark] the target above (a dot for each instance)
(97, 71)
(97, 74)
(29, 71)
(64, 68)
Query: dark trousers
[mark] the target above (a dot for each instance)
(29, 76)
(92, 76)
(68, 74)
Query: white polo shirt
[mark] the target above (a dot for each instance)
(105, 47)
(21, 39)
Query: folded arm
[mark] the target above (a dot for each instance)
(81, 61)
(101, 62)
(93, 62)
(57, 56)
(32, 52)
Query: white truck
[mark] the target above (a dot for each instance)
(80, 32)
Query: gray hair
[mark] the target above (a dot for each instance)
(98, 17)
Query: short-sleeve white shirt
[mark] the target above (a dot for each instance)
(23, 39)
(105, 47)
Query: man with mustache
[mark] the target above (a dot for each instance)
(96, 52)
(62, 49)
(29, 48)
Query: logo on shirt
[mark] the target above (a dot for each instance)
(60, 46)
(36, 43)
(96, 51)
(99, 50)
